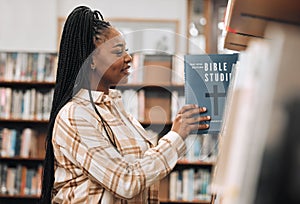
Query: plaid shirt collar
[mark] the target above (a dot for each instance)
(99, 96)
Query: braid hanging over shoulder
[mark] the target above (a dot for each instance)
(77, 43)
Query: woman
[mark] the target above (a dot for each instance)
(96, 152)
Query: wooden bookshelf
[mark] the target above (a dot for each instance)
(25, 79)
(18, 199)
(247, 19)
(18, 196)
(26, 83)
(27, 121)
(268, 33)
(185, 202)
(157, 92)
(22, 159)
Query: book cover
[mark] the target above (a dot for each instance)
(207, 78)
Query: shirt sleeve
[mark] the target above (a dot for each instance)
(84, 145)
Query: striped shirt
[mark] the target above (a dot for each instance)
(90, 169)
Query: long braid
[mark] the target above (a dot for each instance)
(77, 43)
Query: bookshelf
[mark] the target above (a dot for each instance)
(154, 94)
(26, 89)
(155, 86)
(246, 20)
(260, 129)
(188, 183)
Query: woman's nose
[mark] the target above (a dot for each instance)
(128, 58)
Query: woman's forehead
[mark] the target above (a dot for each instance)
(115, 38)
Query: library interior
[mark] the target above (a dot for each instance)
(237, 58)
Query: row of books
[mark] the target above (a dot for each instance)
(146, 68)
(152, 108)
(25, 104)
(257, 162)
(190, 185)
(22, 66)
(157, 68)
(201, 147)
(21, 143)
(20, 180)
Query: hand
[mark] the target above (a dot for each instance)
(186, 121)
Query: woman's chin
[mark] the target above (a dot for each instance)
(124, 80)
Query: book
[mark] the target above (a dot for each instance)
(3, 59)
(207, 79)
(11, 179)
(190, 184)
(173, 185)
(3, 178)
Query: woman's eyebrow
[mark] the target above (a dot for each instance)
(119, 45)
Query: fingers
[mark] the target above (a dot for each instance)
(198, 127)
(191, 110)
(188, 115)
(204, 118)
(202, 126)
(189, 118)
(187, 107)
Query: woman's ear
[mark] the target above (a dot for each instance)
(93, 66)
(92, 62)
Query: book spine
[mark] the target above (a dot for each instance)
(18, 179)
(8, 96)
(23, 180)
(25, 143)
(3, 60)
(5, 142)
(13, 140)
(3, 175)
(18, 143)
(173, 185)
(10, 181)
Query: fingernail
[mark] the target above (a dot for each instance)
(208, 117)
(204, 109)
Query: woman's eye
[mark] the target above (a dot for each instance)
(120, 52)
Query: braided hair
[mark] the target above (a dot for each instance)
(82, 28)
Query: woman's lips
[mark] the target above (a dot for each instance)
(126, 70)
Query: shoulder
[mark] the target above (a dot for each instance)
(74, 112)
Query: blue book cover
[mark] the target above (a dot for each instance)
(207, 78)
